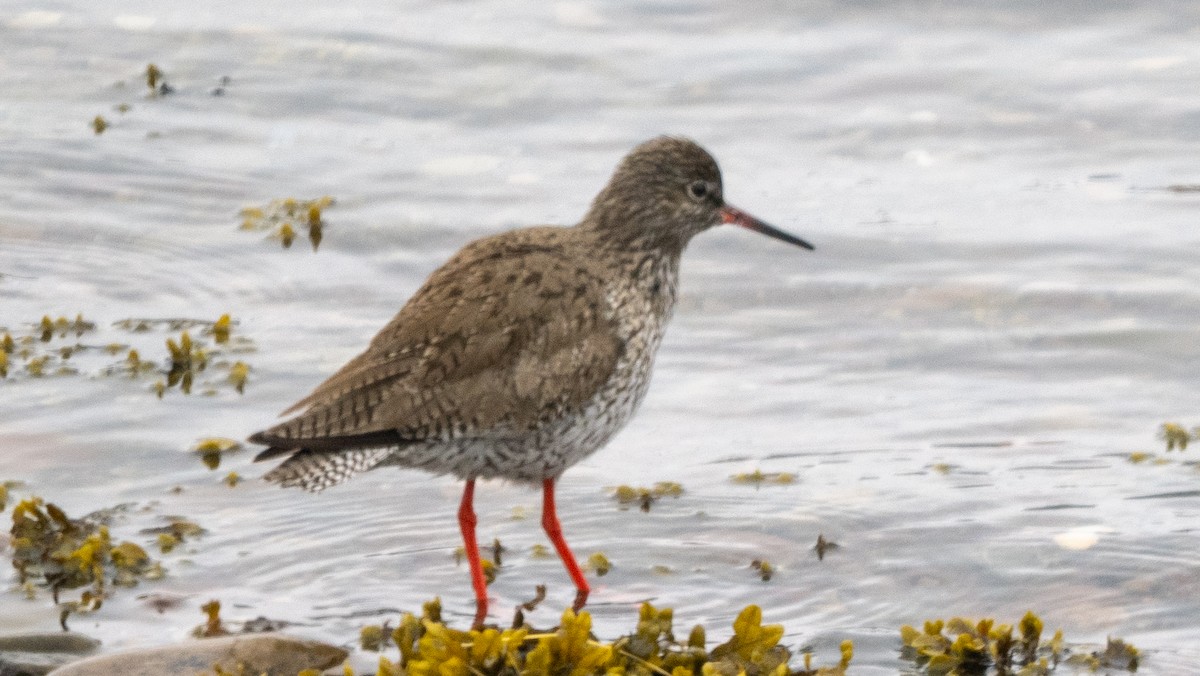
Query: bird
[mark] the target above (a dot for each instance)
(522, 354)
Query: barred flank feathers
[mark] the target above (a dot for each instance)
(314, 472)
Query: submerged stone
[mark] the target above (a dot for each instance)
(259, 654)
(36, 654)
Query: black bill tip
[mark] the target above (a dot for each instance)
(738, 217)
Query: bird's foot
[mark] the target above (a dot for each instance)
(480, 614)
(580, 600)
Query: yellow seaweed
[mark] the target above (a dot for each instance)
(221, 328)
(429, 648)
(599, 564)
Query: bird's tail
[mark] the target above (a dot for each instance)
(314, 471)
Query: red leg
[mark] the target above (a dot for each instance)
(466, 522)
(554, 530)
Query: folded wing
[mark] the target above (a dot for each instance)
(507, 336)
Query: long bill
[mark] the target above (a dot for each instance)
(730, 214)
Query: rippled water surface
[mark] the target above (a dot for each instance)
(1002, 306)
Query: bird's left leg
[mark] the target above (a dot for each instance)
(554, 530)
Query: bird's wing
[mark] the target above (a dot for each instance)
(508, 334)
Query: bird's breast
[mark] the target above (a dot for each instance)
(640, 303)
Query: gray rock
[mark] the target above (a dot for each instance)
(258, 654)
(37, 654)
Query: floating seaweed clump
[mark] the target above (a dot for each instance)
(428, 647)
(765, 569)
(1141, 457)
(491, 569)
(644, 497)
(239, 372)
(52, 550)
(759, 477)
(187, 360)
(33, 349)
(212, 449)
(6, 348)
(823, 546)
(960, 646)
(63, 326)
(52, 347)
(281, 217)
(214, 625)
(153, 76)
(599, 564)
(177, 530)
(221, 328)
(189, 357)
(156, 82)
(1117, 654)
(1177, 436)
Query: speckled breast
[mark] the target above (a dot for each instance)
(640, 303)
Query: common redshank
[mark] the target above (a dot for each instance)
(523, 354)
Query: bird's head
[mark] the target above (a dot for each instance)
(666, 191)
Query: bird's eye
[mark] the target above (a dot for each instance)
(698, 190)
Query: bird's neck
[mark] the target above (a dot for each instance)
(633, 233)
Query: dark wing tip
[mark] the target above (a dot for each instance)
(279, 446)
(275, 452)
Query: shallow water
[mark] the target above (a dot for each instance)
(1002, 305)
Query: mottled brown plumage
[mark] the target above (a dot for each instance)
(525, 352)
(475, 350)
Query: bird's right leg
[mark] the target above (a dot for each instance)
(554, 530)
(466, 523)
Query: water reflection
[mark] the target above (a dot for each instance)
(1001, 313)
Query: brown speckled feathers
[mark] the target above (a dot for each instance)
(507, 333)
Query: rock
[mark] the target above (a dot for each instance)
(260, 654)
(36, 654)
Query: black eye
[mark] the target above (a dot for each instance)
(698, 190)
